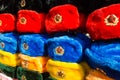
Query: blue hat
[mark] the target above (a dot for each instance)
(32, 44)
(67, 48)
(8, 42)
(105, 55)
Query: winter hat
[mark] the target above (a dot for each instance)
(33, 63)
(63, 18)
(64, 70)
(67, 48)
(97, 75)
(7, 6)
(105, 55)
(8, 42)
(8, 70)
(25, 74)
(30, 21)
(9, 59)
(33, 44)
(36, 5)
(7, 22)
(104, 23)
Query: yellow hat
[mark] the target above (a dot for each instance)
(33, 63)
(9, 59)
(64, 70)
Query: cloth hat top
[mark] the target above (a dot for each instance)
(105, 53)
(8, 42)
(67, 48)
(104, 23)
(32, 44)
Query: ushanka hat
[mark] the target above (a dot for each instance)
(67, 48)
(7, 6)
(7, 22)
(8, 42)
(63, 18)
(8, 70)
(33, 63)
(104, 23)
(36, 5)
(65, 70)
(33, 44)
(30, 21)
(25, 74)
(106, 56)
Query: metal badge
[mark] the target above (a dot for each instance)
(25, 64)
(58, 18)
(59, 50)
(2, 44)
(23, 20)
(111, 20)
(23, 77)
(61, 74)
(25, 46)
(23, 3)
(0, 22)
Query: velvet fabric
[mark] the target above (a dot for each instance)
(62, 18)
(7, 6)
(9, 59)
(30, 21)
(33, 44)
(33, 63)
(8, 70)
(104, 23)
(4, 77)
(7, 22)
(105, 55)
(8, 42)
(65, 70)
(36, 5)
(67, 48)
(24, 74)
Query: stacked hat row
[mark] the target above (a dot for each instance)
(29, 56)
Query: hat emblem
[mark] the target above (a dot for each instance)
(22, 3)
(111, 20)
(58, 18)
(59, 50)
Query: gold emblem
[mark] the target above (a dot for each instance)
(25, 46)
(58, 18)
(0, 22)
(59, 50)
(23, 77)
(2, 44)
(23, 3)
(60, 74)
(25, 63)
(23, 20)
(111, 20)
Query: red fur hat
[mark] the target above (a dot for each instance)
(104, 23)
(7, 22)
(30, 21)
(62, 18)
